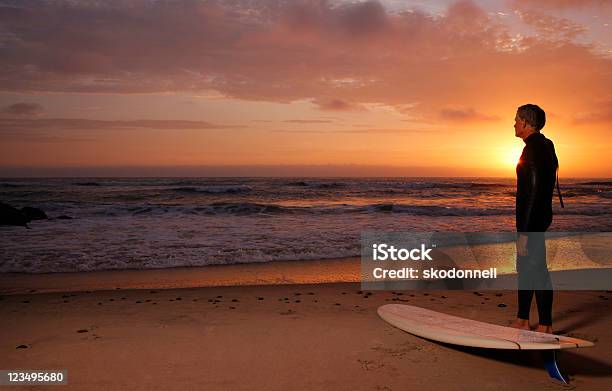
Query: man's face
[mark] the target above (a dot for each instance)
(519, 126)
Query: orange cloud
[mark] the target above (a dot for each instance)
(465, 115)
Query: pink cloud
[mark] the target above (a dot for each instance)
(562, 3)
(337, 105)
(23, 109)
(284, 51)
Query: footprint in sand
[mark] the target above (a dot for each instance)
(370, 365)
(398, 351)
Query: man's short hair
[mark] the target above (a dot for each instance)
(533, 115)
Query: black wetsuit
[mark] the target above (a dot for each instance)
(536, 173)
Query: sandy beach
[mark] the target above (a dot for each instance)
(279, 337)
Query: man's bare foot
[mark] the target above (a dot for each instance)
(544, 329)
(522, 324)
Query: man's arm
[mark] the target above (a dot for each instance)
(533, 186)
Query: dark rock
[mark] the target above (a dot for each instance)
(83, 331)
(501, 305)
(22, 347)
(12, 216)
(34, 213)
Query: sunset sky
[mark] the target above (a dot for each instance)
(324, 88)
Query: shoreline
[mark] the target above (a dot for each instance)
(243, 274)
(277, 273)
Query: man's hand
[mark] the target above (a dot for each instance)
(521, 246)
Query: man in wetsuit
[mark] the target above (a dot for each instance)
(536, 173)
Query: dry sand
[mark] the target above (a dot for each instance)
(284, 337)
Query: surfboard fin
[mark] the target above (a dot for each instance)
(550, 363)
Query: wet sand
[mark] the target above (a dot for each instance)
(265, 273)
(280, 337)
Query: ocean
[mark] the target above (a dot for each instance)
(149, 223)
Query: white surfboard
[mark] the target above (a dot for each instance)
(466, 332)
